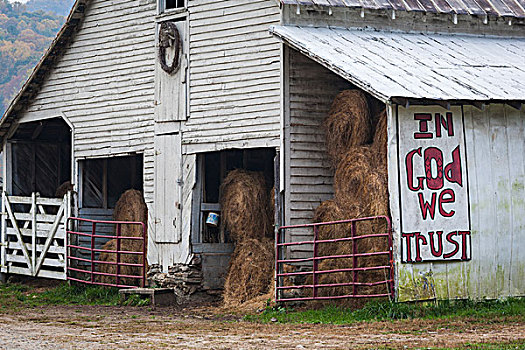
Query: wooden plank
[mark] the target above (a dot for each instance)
(3, 267)
(58, 275)
(17, 230)
(47, 262)
(516, 167)
(170, 89)
(50, 238)
(167, 188)
(39, 248)
(33, 232)
(49, 201)
(20, 200)
(39, 217)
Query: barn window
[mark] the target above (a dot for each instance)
(104, 180)
(214, 167)
(171, 4)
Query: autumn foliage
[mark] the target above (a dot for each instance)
(26, 31)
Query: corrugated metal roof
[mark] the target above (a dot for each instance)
(417, 66)
(500, 8)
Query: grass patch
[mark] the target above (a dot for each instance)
(514, 345)
(19, 295)
(380, 311)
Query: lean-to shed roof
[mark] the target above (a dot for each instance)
(417, 66)
(47, 61)
(498, 8)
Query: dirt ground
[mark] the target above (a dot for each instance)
(76, 327)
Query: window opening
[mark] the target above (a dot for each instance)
(173, 4)
(105, 180)
(215, 167)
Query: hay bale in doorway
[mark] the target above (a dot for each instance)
(245, 205)
(130, 207)
(348, 123)
(125, 245)
(251, 271)
(351, 175)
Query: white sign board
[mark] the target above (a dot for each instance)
(435, 217)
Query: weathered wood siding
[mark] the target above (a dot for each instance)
(308, 173)
(104, 83)
(167, 254)
(234, 75)
(496, 173)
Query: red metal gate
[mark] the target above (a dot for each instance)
(347, 264)
(87, 269)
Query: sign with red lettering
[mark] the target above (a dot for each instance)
(435, 216)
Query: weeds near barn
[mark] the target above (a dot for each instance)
(13, 296)
(389, 311)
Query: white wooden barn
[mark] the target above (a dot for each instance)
(252, 84)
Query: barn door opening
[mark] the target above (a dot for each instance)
(213, 242)
(102, 183)
(36, 199)
(40, 158)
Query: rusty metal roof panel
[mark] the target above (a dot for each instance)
(417, 65)
(500, 8)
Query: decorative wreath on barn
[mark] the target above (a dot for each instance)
(169, 37)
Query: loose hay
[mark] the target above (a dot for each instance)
(63, 189)
(250, 273)
(347, 124)
(244, 205)
(130, 207)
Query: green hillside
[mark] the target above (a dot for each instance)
(26, 31)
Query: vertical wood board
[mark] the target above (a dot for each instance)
(168, 188)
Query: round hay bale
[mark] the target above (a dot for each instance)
(126, 245)
(371, 276)
(375, 194)
(348, 123)
(244, 205)
(380, 141)
(131, 207)
(63, 189)
(331, 211)
(251, 271)
(351, 174)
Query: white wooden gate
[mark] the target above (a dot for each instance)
(34, 234)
